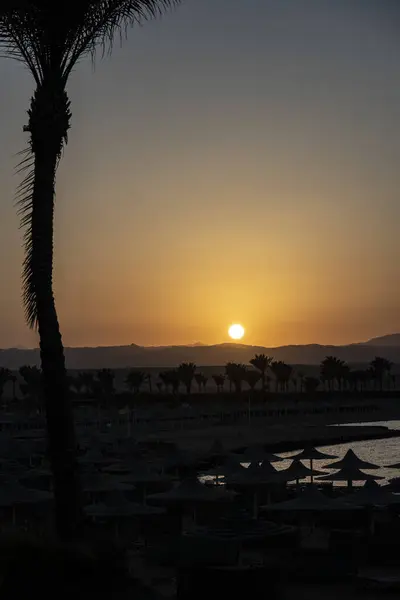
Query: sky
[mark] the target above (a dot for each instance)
(234, 161)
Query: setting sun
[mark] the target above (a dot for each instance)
(236, 331)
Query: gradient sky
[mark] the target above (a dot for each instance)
(237, 160)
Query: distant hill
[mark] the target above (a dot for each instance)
(393, 339)
(116, 357)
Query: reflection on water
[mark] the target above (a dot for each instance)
(380, 452)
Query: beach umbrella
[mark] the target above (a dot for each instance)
(94, 457)
(257, 453)
(311, 499)
(126, 509)
(105, 483)
(191, 491)
(13, 494)
(393, 485)
(351, 461)
(296, 471)
(349, 475)
(178, 458)
(216, 450)
(229, 468)
(394, 466)
(312, 454)
(371, 494)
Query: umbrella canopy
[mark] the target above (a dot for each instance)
(313, 454)
(310, 500)
(141, 473)
(191, 491)
(393, 485)
(371, 494)
(297, 471)
(257, 453)
(94, 457)
(350, 474)
(229, 468)
(394, 466)
(127, 509)
(351, 461)
(217, 449)
(12, 493)
(179, 458)
(104, 483)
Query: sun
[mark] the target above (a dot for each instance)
(236, 331)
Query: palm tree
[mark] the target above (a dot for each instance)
(5, 377)
(282, 373)
(14, 379)
(50, 38)
(199, 380)
(134, 380)
(186, 375)
(105, 379)
(262, 362)
(219, 381)
(252, 377)
(379, 368)
(88, 383)
(311, 384)
(235, 373)
(32, 386)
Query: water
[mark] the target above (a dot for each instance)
(380, 452)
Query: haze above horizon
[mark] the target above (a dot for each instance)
(234, 162)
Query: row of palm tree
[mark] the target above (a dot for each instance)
(335, 374)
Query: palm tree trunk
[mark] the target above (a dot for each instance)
(46, 142)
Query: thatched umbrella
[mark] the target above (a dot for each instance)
(349, 475)
(351, 461)
(257, 453)
(371, 494)
(311, 500)
(312, 454)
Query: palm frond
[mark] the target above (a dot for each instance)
(24, 197)
(45, 34)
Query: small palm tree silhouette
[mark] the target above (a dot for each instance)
(262, 363)
(186, 373)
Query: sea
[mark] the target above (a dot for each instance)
(380, 452)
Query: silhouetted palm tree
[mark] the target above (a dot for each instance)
(311, 384)
(14, 379)
(87, 381)
(301, 376)
(32, 386)
(282, 372)
(252, 377)
(105, 378)
(333, 370)
(262, 362)
(5, 377)
(235, 373)
(379, 368)
(186, 373)
(219, 381)
(134, 380)
(76, 383)
(199, 380)
(50, 38)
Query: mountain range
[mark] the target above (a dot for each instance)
(115, 357)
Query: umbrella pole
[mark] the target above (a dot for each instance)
(311, 467)
(255, 506)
